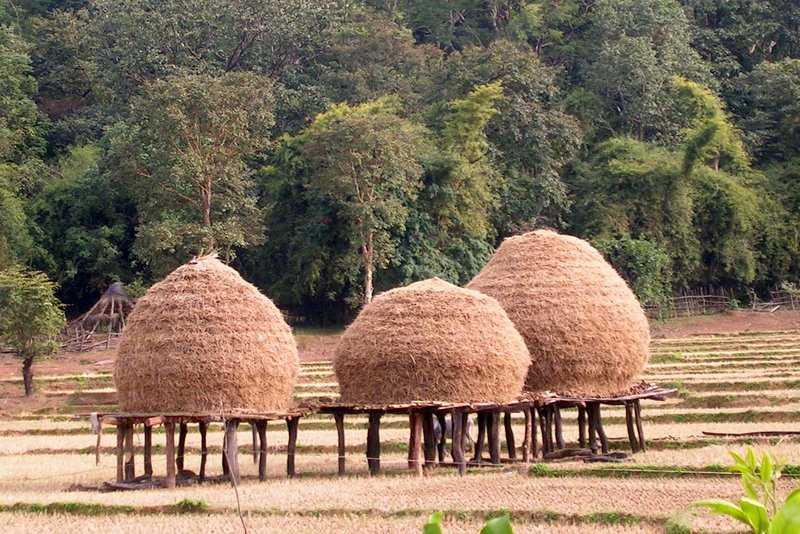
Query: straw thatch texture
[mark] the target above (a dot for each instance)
(204, 341)
(585, 330)
(431, 341)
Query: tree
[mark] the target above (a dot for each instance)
(183, 153)
(30, 317)
(365, 158)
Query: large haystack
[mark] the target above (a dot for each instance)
(585, 330)
(431, 341)
(204, 340)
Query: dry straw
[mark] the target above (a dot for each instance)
(585, 330)
(431, 341)
(202, 340)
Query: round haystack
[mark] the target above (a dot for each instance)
(431, 341)
(585, 330)
(205, 341)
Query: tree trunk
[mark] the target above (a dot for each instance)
(366, 254)
(27, 375)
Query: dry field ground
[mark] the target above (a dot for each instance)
(727, 382)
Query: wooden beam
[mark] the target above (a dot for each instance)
(581, 427)
(256, 449)
(443, 438)
(629, 423)
(339, 418)
(548, 425)
(374, 443)
(148, 451)
(231, 450)
(478, 455)
(494, 437)
(526, 442)
(120, 453)
(261, 430)
(169, 429)
(543, 428)
(203, 427)
(510, 443)
(534, 444)
(429, 438)
(558, 427)
(183, 429)
(291, 448)
(416, 424)
(130, 461)
(637, 409)
(457, 442)
(601, 433)
(592, 428)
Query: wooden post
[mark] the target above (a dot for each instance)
(148, 451)
(183, 429)
(291, 425)
(592, 427)
(339, 418)
(261, 430)
(534, 444)
(494, 437)
(130, 462)
(457, 442)
(559, 428)
(629, 423)
(548, 424)
(120, 452)
(415, 423)
(429, 438)
(231, 450)
(581, 427)
(526, 443)
(225, 467)
(601, 433)
(477, 457)
(169, 430)
(203, 449)
(256, 449)
(374, 443)
(543, 428)
(510, 443)
(443, 439)
(638, 412)
(110, 323)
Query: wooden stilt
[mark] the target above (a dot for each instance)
(601, 433)
(254, 431)
(148, 451)
(291, 448)
(231, 450)
(457, 442)
(429, 438)
(477, 457)
(416, 424)
(494, 437)
(464, 433)
(169, 429)
(120, 453)
(339, 419)
(592, 428)
(559, 428)
(374, 443)
(637, 408)
(534, 444)
(543, 429)
(629, 423)
(183, 429)
(581, 426)
(510, 444)
(261, 431)
(225, 467)
(443, 438)
(548, 424)
(526, 443)
(130, 462)
(203, 449)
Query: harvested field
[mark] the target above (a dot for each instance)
(730, 384)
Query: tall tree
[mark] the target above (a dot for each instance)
(183, 153)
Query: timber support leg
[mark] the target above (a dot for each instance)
(457, 442)
(130, 461)
(443, 438)
(592, 427)
(637, 408)
(374, 443)
(183, 429)
(429, 438)
(416, 424)
(534, 444)
(581, 427)
(203, 427)
(558, 427)
(339, 419)
(120, 452)
(543, 429)
(601, 433)
(510, 443)
(494, 437)
(291, 425)
(629, 423)
(261, 430)
(548, 425)
(231, 450)
(254, 435)
(526, 443)
(169, 429)
(148, 451)
(477, 457)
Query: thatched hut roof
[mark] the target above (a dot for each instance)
(205, 341)
(431, 341)
(585, 330)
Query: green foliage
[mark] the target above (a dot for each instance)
(497, 525)
(643, 264)
(759, 509)
(191, 506)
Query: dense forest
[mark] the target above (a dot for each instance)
(330, 149)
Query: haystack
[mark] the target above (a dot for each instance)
(431, 341)
(585, 330)
(205, 341)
